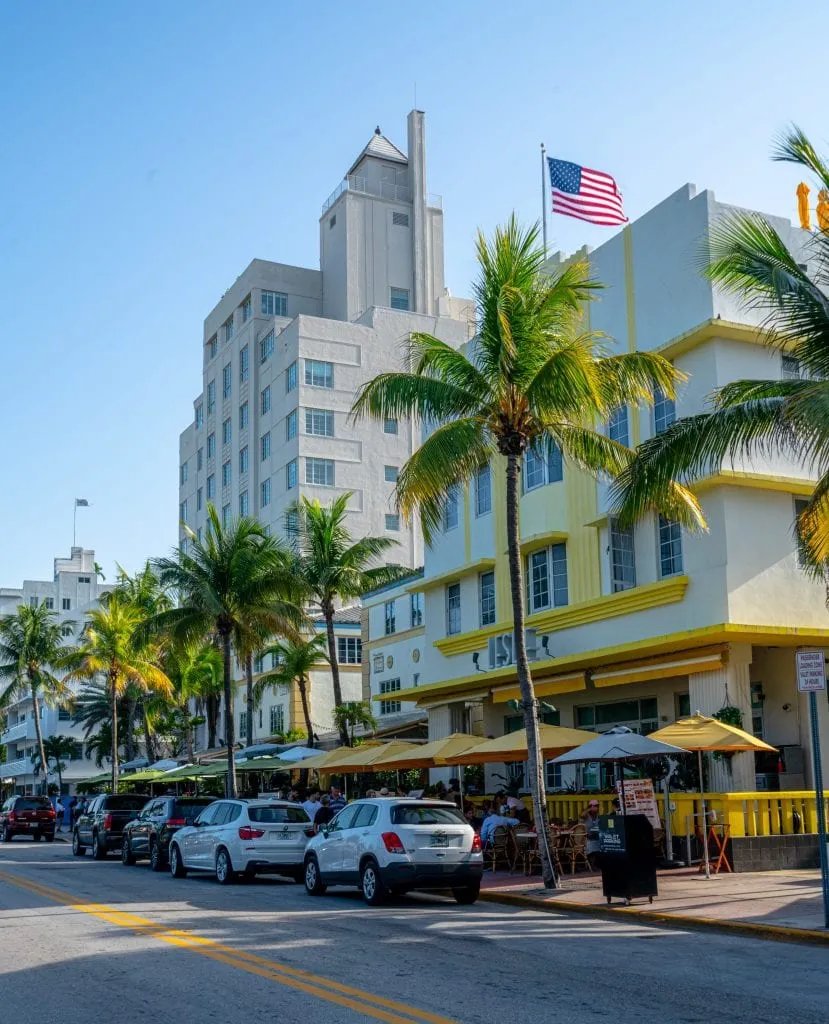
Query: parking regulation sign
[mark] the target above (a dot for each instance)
(811, 671)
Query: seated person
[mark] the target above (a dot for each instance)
(590, 817)
(494, 821)
(472, 816)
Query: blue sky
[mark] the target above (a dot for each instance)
(152, 149)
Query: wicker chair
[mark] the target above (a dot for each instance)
(577, 851)
(501, 847)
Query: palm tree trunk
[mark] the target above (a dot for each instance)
(129, 738)
(230, 727)
(328, 612)
(249, 699)
(535, 767)
(44, 767)
(113, 698)
(306, 710)
(148, 738)
(212, 714)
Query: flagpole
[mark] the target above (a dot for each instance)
(544, 195)
(74, 523)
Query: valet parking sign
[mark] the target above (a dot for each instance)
(811, 671)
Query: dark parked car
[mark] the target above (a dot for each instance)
(102, 826)
(149, 834)
(27, 816)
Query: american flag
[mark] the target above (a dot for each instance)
(585, 194)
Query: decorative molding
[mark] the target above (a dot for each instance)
(469, 569)
(391, 638)
(542, 540)
(759, 481)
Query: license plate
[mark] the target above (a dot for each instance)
(440, 841)
(282, 835)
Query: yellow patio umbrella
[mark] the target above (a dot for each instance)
(700, 733)
(554, 740)
(322, 760)
(363, 758)
(431, 754)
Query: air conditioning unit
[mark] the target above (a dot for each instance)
(502, 648)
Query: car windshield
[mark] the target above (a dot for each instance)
(125, 803)
(426, 814)
(189, 808)
(37, 803)
(277, 815)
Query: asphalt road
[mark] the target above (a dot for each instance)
(85, 941)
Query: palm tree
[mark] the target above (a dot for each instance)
(747, 256)
(56, 748)
(351, 714)
(531, 380)
(112, 648)
(336, 568)
(228, 584)
(293, 661)
(31, 647)
(196, 674)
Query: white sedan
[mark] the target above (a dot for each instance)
(247, 837)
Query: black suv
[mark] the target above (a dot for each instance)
(149, 834)
(28, 816)
(102, 826)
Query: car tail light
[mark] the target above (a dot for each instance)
(393, 843)
(107, 821)
(309, 832)
(175, 822)
(51, 813)
(11, 816)
(476, 843)
(246, 832)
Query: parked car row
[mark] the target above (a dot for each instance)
(382, 846)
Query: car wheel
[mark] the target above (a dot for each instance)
(467, 894)
(77, 848)
(177, 868)
(98, 852)
(49, 839)
(37, 837)
(314, 884)
(225, 875)
(374, 892)
(127, 856)
(156, 861)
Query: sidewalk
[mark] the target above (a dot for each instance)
(771, 904)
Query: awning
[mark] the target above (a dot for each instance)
(543, 688)
(665, 668)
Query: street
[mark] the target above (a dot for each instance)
(82, 940)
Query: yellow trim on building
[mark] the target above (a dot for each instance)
(637, 599)
(759, 481)
(469, 569)
(542, 540)
(663, 670)
(545, 688)
(709, 330)
(381, 641)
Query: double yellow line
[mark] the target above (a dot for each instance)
(366, 1003)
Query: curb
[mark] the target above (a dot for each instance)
(776, 932)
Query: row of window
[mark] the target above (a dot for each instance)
(415, 613)
(272, 304)
(49, 602)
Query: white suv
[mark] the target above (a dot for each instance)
(392, 845)
(243, 836)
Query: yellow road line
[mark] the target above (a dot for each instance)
(356, 999)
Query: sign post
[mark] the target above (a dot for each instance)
(811, 679)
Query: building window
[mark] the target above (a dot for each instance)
(266, 347)
(66, 604)
(182, 473)
(265, 493)
(243, 459)
(243, 722)
(211, 445)
(319, 472)
(212, 347)
(290, 425)
(226, 474)
(291, 474)
(453, 609)
(400, 220)
(247, 309)
(182, 545)
(540, 470)
(349, 650)
(227, 432)
(199, 416)
(483, 491)
(292, 522)
(617, 426)
(244, 410)
(390, 617)
(211, 487)
(450, 510)
(319, 422)
(389, 707)
(790, 367)
(389, 425)
(664, 411)
(274, 304)
(84, 579)
(319, 374)
(277, 719)
(640, 715)
(227, 380)
(390, 474)
(225, 516)
(670, 547)
(290, 377)
(547, 578)
(244, 364)
(265, 446)
(416, 609)
(392, 522)
(33, 601)
(182, 511)
(486, 598)
(198, 534)
(199, 460)
(199, 499)
(399, 298)
(211, 396)
(244, 504)
(227, 327)
(622, 558)
(332, 220)
(265, 397)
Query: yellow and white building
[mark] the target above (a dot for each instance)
(631, 628)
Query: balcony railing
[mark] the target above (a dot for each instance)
(381, 189)
(20, 731)
(22, 766)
